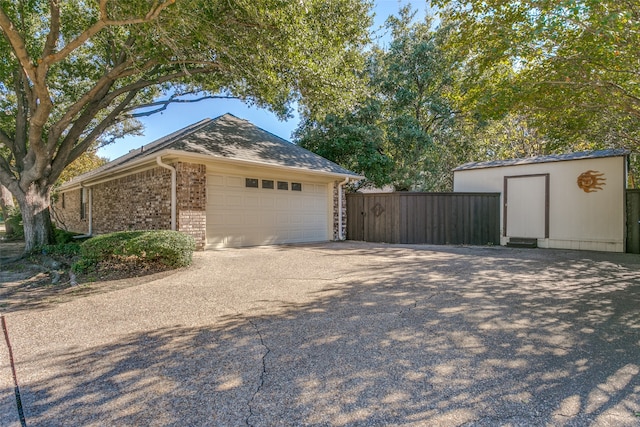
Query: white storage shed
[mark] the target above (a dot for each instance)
(566, 201)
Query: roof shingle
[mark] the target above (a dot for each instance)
(227, 137)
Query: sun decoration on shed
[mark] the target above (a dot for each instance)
(591, 181)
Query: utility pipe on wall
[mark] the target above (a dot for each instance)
(173, 190)
(340, 196)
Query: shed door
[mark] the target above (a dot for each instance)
(526, 212)
(238, 215)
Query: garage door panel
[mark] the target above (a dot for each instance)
(252, 201)
(234, 181)
(241, 216)
(282, 220)
(215, 180)
(267, 202)
(233, 201)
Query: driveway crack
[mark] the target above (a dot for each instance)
(262, 374)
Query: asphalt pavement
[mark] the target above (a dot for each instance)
(341, 334)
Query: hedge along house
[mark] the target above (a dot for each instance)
(224, 181)
(568, 201)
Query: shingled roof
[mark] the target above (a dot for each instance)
(226, 137)
(545, 159)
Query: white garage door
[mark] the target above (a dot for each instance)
(250, 211)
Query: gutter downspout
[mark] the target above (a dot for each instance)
(340, 196)
(173, 190)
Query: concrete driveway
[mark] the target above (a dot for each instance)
(342, 334)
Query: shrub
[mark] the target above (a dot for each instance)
(168, 248)
(68, 249)
(63, 236)
(14, 219)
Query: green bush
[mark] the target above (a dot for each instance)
(68, 249)
(63, 236)
(15, 221)
(169, 248)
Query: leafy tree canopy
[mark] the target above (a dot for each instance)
(87, 162)
(76, 72)
(392, 136)
(571, 65)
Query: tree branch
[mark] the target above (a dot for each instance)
(164, 104)
(100, 128)
(4, 139)
(140, 84)
(17, 44)
(54, 28)
(7, 178)
(106, 80)
(103, 22)
(19, 146)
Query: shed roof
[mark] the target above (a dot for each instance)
(225, 137)
(581, 155)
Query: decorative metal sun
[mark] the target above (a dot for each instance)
(591, 181)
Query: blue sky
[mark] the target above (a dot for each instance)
(178, 116)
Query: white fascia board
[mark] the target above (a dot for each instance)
(111, 174)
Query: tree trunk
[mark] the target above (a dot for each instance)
(36, 218)
(7, 206)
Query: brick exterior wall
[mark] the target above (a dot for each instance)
(68, 218)
(191, 189)
(336, 218)
(141, 201)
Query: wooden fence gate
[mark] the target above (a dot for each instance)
(633, 221)
(429, 218)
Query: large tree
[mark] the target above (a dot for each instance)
(396, 135)
(570, 66)
(75, 72)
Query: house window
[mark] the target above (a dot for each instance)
(296, 186)
(267, 183)
(283, 185)
(63, 204)
(251, 182)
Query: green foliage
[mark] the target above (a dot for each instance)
(401, 134)
(354, 140)
(77, 73)
(63, 236)
(88, 161)
(64, 249)
(169, 248)
(569, 66)
(14, 220)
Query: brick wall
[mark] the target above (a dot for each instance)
(336, 218)
(141, 201)
(191, 189)
(68, 218)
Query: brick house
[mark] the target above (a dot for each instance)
(224, 181)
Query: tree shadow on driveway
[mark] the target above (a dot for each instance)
(400, 336)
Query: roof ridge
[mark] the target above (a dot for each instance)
(144, 149)
(546, 158)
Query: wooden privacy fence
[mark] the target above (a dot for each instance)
(430, 218)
